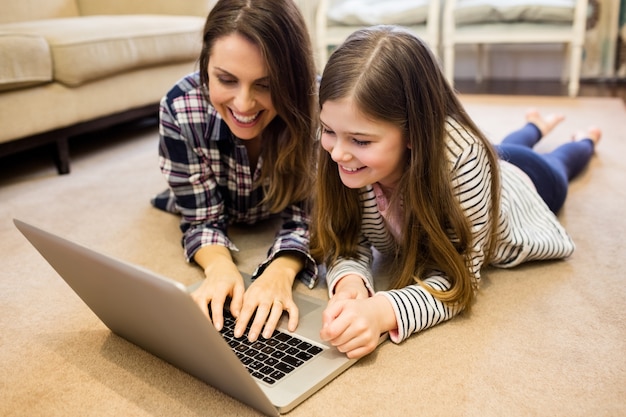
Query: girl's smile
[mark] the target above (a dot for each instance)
(349, 170)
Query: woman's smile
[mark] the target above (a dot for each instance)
(244, 120)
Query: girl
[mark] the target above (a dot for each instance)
(407, 172)
(237, 145)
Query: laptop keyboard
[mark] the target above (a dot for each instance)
(269, 360)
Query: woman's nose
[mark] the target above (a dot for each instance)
(244, 100)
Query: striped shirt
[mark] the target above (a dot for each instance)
(527, 231)
(211, 182)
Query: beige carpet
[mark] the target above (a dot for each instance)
(545, 339)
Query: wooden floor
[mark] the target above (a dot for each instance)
(542, 88)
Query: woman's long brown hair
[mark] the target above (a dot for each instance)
(392, 76)
(279, 30)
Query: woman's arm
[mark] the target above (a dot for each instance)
(293, 239)
(185, 161)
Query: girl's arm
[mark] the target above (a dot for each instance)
(414, 307)
(361, 266)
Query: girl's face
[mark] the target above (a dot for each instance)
(239, 86)
(365, 150)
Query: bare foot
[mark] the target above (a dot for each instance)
(545, 124)
(593, 133)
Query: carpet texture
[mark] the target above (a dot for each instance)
(544, 339)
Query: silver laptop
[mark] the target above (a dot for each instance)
(158, 315)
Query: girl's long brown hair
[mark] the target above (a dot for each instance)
(392, 76)
(279, 30)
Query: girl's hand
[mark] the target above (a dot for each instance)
(354, 326)
(350, 287)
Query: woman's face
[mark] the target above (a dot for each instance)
(365, 150)
(239, 86)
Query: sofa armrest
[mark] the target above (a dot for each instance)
(164, 7)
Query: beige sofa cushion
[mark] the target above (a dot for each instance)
(92, 47)
(21, 10)
(186, 7)
(25, 60)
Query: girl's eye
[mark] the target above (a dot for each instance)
(326, 131)
(360, 142)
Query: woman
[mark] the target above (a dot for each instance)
(237, 146)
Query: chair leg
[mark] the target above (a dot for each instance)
(567, 60)
(322, 55)
(481, 63)
(448, 63)
(574, 69)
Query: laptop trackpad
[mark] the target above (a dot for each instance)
(305, 306)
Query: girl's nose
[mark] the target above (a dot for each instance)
(338, 153)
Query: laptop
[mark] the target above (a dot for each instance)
(158, 314)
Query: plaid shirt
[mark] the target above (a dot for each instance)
(211, 183)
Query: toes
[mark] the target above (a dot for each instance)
(545, 124)
(594, 133)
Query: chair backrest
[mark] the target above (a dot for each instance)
(566, 13)
(484, 11)
(374, 12)
(346, 16)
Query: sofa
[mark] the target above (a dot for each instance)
(70, 67)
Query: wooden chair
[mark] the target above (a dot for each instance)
(336, 19)
(513, 22)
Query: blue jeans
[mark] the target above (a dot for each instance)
(550, 172)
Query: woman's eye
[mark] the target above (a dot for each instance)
(263, 86)
(226, 81)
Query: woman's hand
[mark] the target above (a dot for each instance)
(222, 280)
(268, 296)
(354, 325)
(264, 302)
